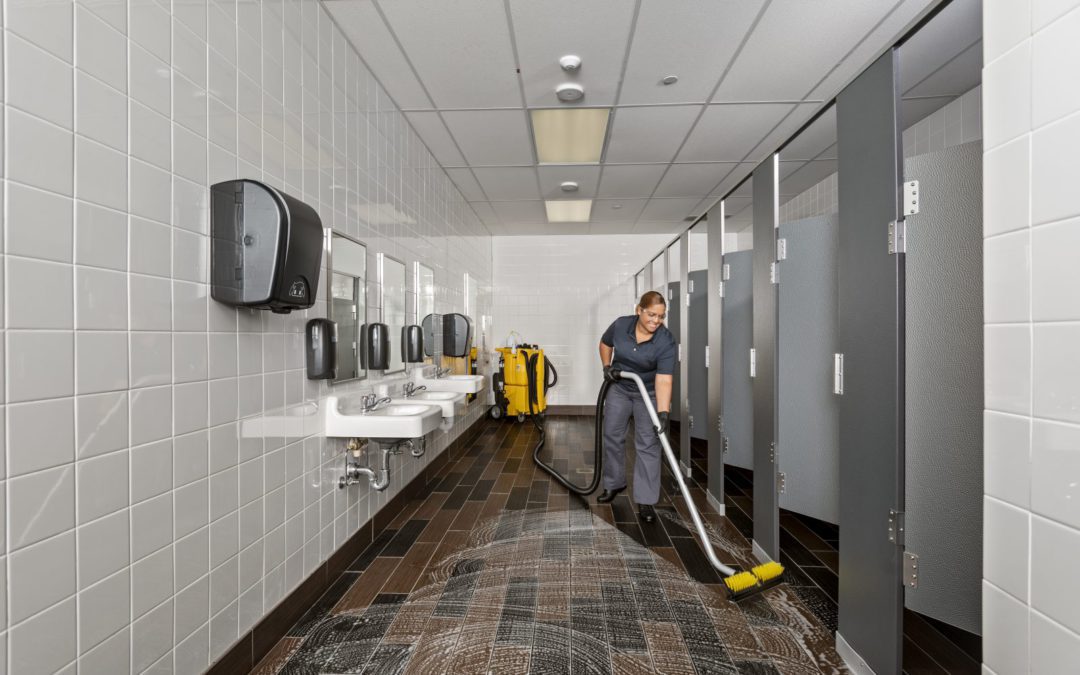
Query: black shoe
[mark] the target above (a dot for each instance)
(607, 495)
(646, 512)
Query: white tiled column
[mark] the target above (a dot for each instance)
(1031, 117)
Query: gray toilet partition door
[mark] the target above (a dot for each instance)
(766, 507)
(808, 443)
(714, 282)
(944, 379)
(738, 326)
(871, 328)
(697, 374)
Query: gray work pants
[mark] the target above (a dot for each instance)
(618, 408)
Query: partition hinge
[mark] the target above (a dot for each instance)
(781, 482)
(897, 237)
(689, 289)
(725, 272)
(774, 278)
(911, 198)
(781, 249)
(720, 288)
(669, 294)
(896, 527)
(679, 357)
(706, 356)
(911, 570)
(753, 362)
(691, 416)
(688, 297)
(772, 452)
(838, 374)
(726, 446)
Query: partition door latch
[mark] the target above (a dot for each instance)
(725, 272)
(688, 295)
(897, 237)
(691, 417)
(689, 289)
(773, 276)
(720, 288)
(679, 356)
(753, 362)
(838, 374)
(896, 527)
(781, 249)
(706, 356)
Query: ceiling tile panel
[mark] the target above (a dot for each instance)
(659, 227)
(692, 180)
(694, 39)
(597, 32)
(726, 133)
(466, 182)
(640, 135)
(630, 180)
(435, 136)
(784, 131)
(491, 137)
(486, 214)
(625, 211)
(516, 213)
(552, 176)
(733, 178)
(611, 228)
(460, 48)
(367, 32)
(795, 45)
(509, 182)
(668, 209)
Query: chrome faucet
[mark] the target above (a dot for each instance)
(410, 389)
(371, 403)
(441, 372)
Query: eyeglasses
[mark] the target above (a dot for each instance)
(654, 316)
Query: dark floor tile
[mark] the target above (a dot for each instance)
(481, 491)
(942, 650)
(623, 510)
(404, 539)
(918, 662)
(457, 498)
(825, 579)
(448, 483)
(820, 604)
(323, 605)
(633, 531)
(756, 668)
(518, 500)
(511, 466)
(654, 533)
(694, 560)
(969, 643)
(372, 551)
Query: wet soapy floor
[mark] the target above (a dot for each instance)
(500, 570)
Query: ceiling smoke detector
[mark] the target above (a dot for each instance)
(568, 91)
(570, 63)
(569, 186)
(670, 79)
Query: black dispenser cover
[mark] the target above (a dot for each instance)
(428, 326)
(412, 343)
(321, 339)
(377, 343)
(457, 335)
(265, 247)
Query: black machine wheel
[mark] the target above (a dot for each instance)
(521, 418)
(495, 412)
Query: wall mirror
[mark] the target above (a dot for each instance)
(346, 259)
(424, 282)
(392, 282)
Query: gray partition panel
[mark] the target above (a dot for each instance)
(674, 324)
(697, 338)
(808, 412)
(944, 453)
(684, 362)
(766, 506)
(715, 244)
(738, 399)
(871, 304)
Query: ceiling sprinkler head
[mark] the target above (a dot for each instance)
(569, 186)
(670, 79)
(570, 63)
(568, 91)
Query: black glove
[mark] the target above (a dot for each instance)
(611, 373)
(664, 419)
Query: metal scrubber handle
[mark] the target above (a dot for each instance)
(673, 463)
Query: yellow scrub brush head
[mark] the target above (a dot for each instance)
(744, 584)
(768, 572)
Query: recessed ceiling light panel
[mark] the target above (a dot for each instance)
(569, 135)
(568, 210)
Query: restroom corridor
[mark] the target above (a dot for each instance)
(473, 577)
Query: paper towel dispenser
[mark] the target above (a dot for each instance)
(457, 335)
(377, 346)
(265, 247)
(412, 344)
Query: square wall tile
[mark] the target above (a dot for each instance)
(1056, 376)
(1008, 368)
(1055, 471)
(101, 49)
(51, 303)
(101, 299)
(1054, 51)
(1005, 27)
(103, 548)
(151, 470)
(151, 636)
(151, 359)
(102, 361)
(1005, 561)
(101, 238)
(1005, 114)
(101, 112)
(40, 365)
(151, 247)
(1055, 277)
(39, 224)
(1005, 631)
(1007, 278)
(41, 435)
(1054, 172)
(42, 575)
(151, 414)
(111, 656)
(1054, 550)
(1054, 648)
(40, 154)
(46, 642)
(48, 25)
(100, 174)
(102, 485)
(104, 609)
(28, 67)
(151, 303)
(40, 505)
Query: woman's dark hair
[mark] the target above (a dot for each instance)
(651, 298)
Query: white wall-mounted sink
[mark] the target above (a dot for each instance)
(464, 384)
(392, 422)
(450, 402)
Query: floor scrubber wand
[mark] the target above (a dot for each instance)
(740, 585)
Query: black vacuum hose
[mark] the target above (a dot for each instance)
(598, 461)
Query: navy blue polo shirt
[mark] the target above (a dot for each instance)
(648, 359)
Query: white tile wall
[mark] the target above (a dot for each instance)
(562, 293)
(140, 527)
(1030, 619)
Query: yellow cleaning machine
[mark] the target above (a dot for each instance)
(522, 382)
